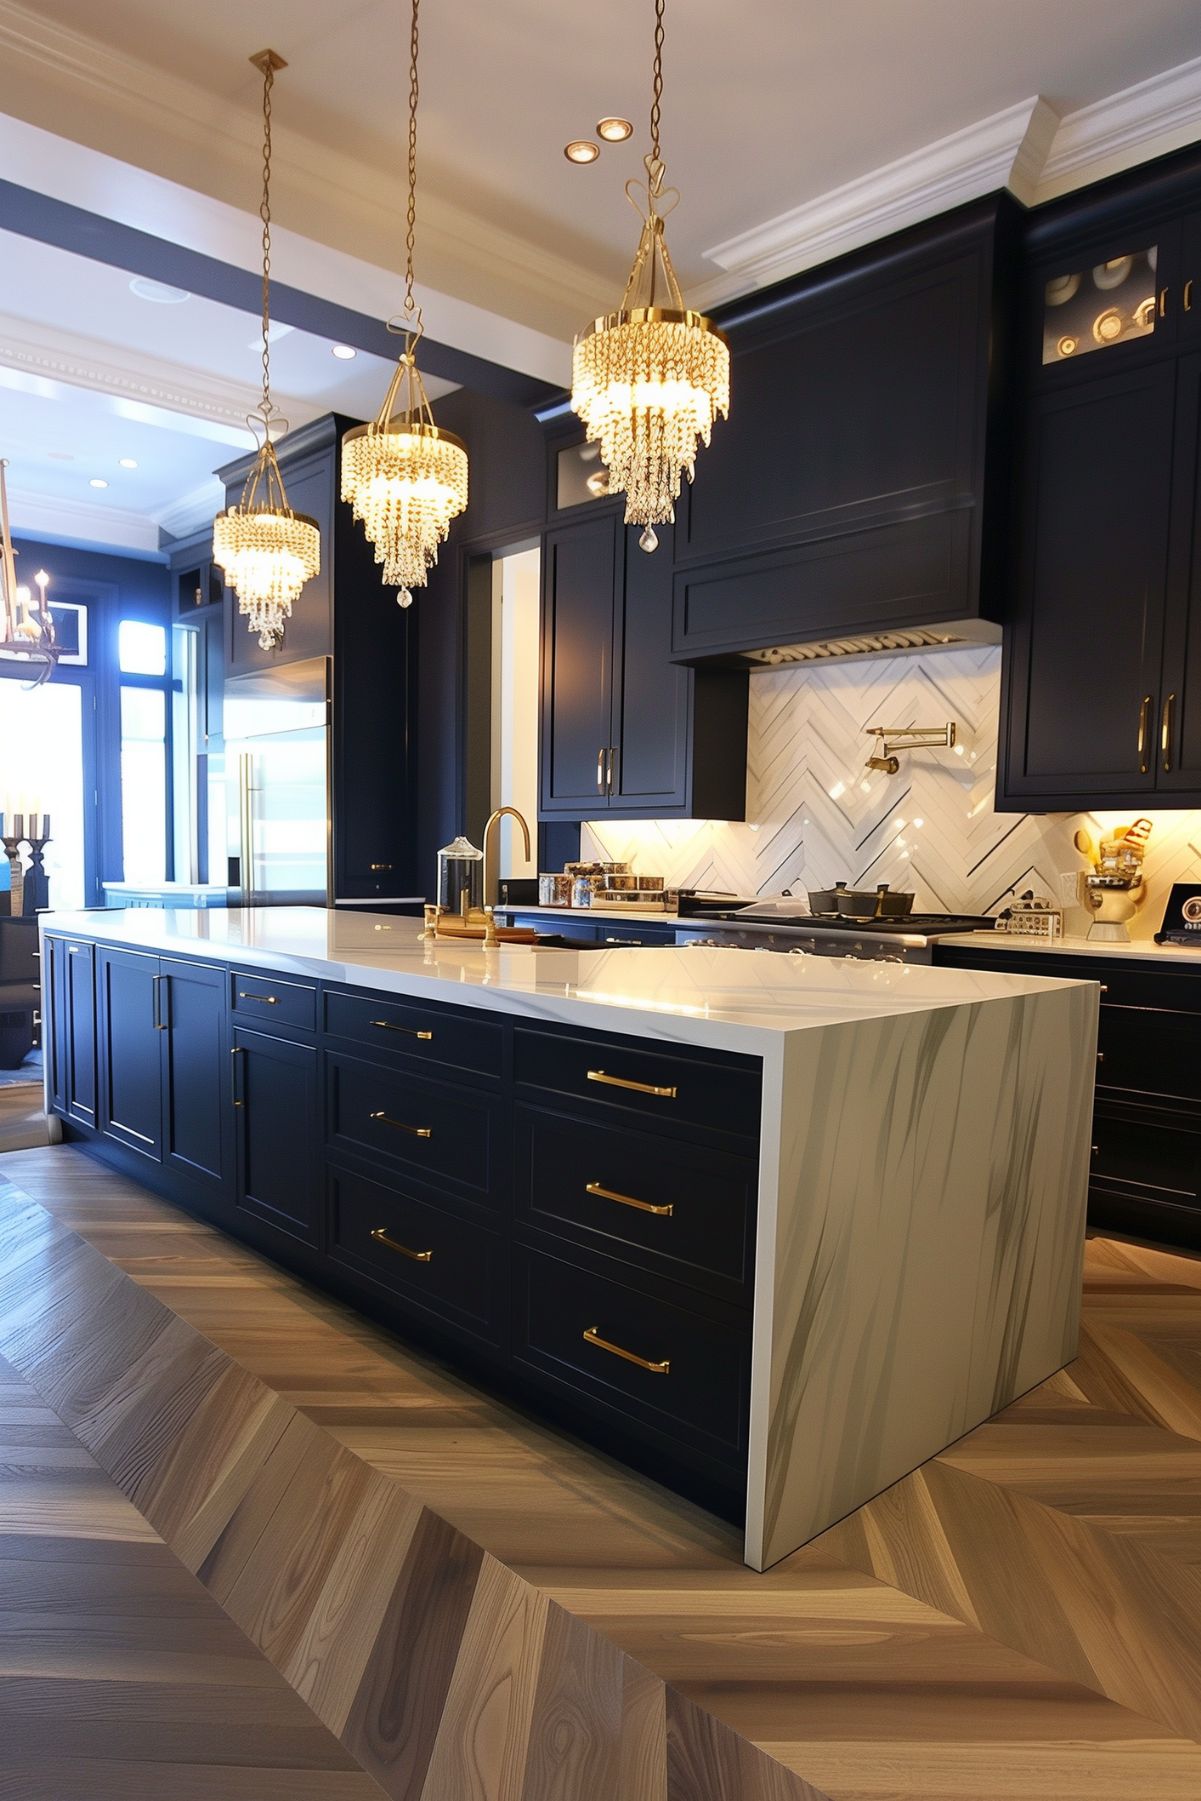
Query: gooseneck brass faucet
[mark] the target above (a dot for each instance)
(492, 836)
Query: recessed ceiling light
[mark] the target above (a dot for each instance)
(160, 292)
(581, 151)
(62, 456)
(614, 131)
(97, 481)
(343, 352)
(128, 462)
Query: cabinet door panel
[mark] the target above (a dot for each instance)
(579, 578)
(79, 1009)
(196, 1073)
(1178, 736)
(54, 957)
(131, 1055)
(1088, 633)
(278, 1158)
(652, 701)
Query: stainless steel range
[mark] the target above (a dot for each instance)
(786, 924)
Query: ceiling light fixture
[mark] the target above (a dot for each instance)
(650, 379)
(614, 131)
(266, 551)
(26, 626)
(581, 151)
(343, 352)
(160, 292)
(128, 463)
(404, 478)
(97, 481)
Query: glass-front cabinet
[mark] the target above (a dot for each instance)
(1101, 304)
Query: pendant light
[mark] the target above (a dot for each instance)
(267, 551)
(26, 627)
(406, 479)
(650, 379)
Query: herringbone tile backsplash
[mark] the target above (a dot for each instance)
(816, 815)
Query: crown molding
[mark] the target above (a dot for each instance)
(199, 506)
(1002, 151)
(187, 399)
(343, 202)
(1149, 119)
(83, 522)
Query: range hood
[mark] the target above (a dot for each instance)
(875, 644)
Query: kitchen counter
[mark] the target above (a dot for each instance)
(1139, 949)
(913, 1144)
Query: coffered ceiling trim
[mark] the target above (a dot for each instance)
(82, 522)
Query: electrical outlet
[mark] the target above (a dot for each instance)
(1069, 893)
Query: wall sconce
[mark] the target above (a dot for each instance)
(906, 737)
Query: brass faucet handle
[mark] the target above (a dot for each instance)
(490, 933)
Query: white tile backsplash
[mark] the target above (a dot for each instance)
(816, 815)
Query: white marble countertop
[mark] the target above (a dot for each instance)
(729, 999)
(1142, 949)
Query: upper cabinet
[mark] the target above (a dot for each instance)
(846, 493)
(1102, 684)
(623, 729)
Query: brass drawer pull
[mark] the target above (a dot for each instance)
(627, 1200)
(269, 1000)
(380, 1236)
(1105, 988)
(1165, 731)
(1188, 295)
(378, 868)
(1163, 303)
(665, 1094)
(592, 1336)
(1100, 1056)
(1144, 715)
(234, 1067)
(385, 1025)
(386, 1119)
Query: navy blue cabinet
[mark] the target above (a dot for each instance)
(129, 993)
(69, 1027)
(275, 1099)
(197, 1135)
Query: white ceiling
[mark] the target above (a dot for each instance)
(794, 130)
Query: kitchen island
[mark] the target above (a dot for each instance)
(775, 1229)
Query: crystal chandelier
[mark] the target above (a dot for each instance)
(649, 379)
(26, 627)
(266, 551)
(404, 478)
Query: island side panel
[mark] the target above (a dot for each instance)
(920, 1260)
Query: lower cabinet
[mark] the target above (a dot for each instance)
(68, 974)
(1146, 1145)
(129, 993)
(275, 1099)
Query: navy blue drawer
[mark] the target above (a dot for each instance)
(273, 1002)
(439, 1130)
(1147, 1051)
(432, 1034)
(683, 1208)
(426, 1257)
(684, 1374)
(671, 1088)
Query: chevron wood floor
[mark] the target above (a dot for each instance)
(479, 1610)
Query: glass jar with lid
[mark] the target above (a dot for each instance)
(460, 877)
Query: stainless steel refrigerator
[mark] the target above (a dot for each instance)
(277, 786)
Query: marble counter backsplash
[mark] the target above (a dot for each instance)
(817, 816)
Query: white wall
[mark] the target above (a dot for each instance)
(515, 705)
(815, 815)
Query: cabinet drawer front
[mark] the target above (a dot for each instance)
(450, 1270)
(678, 1371)
(1172, 990)
(262, 996)
(440, 1132)
(429, 1033)
(1145, 1051)
(1147, 1157)
(666, 1087)
(684, 1207)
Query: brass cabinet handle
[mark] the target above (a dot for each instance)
(1144, 717)
(378, 868)
(380, 1236)
(269, 1000)
(1100, 1056)
(627, 1200)
(600, 770)
(1105, 988)
(234, 1067)
(610, 762)
(1188, 295)
(1165, 731)
(160, 1024)
(664, 1094)
(385, 1025)
(386, 1119)
(1163, 303)
(592, 1336)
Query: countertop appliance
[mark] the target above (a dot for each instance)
(277, 786)
(784, 923)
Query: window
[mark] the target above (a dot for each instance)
(141, 648)
(145, 800)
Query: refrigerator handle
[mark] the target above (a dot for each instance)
(246, 828)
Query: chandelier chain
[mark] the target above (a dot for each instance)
(265, 216)
(410, 304)
(657, 82)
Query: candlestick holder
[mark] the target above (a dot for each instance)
(36, 895)
(16, 873)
